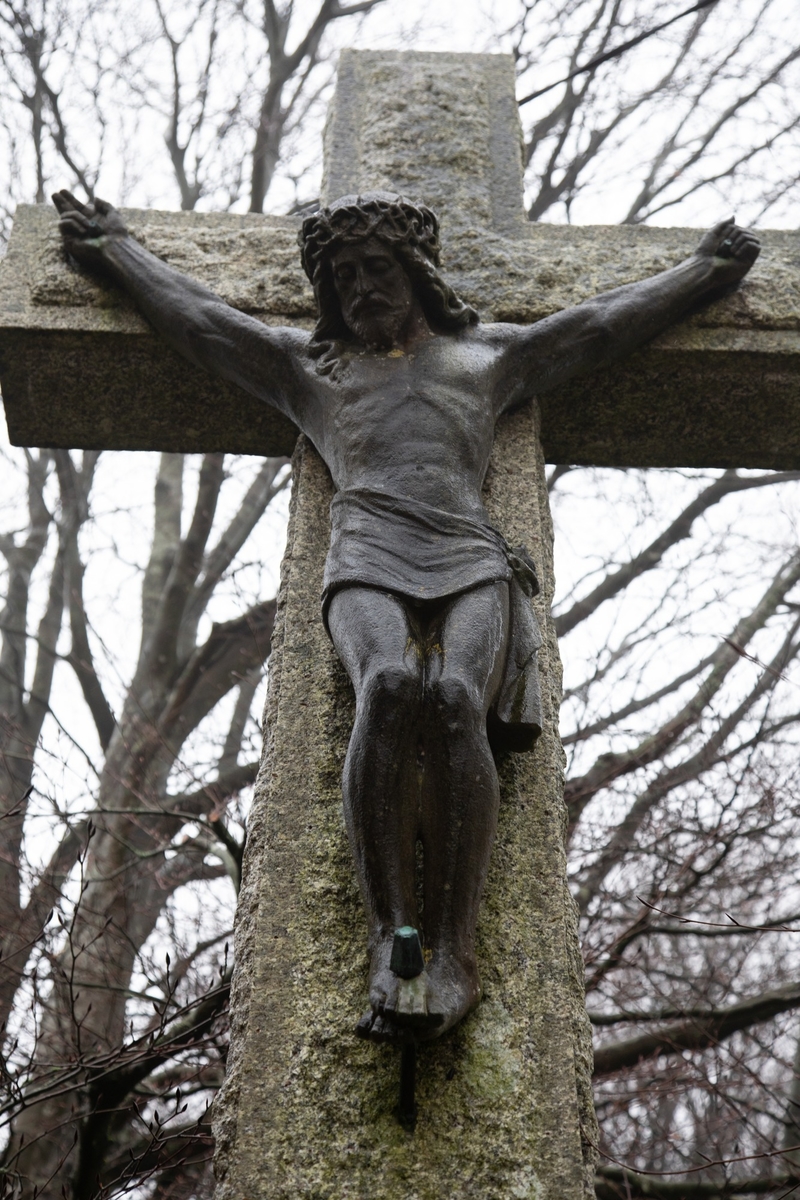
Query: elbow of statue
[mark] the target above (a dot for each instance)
(605, 332)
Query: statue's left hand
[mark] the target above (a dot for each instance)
(732, 250)
(87, 229)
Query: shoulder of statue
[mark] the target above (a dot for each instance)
(291, 339)
(498, 333)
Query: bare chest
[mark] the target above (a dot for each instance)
(431, 408)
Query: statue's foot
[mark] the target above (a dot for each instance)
(399, 1008)
(381, 1027)
(423, 1007)
(409, 1020)
(454, 989)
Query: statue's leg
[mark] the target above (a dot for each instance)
(381, 780)
(461, 793)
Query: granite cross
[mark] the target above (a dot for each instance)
(506, 1102)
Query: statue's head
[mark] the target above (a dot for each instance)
(370, 259)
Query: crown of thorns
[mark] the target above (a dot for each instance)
(355, 218)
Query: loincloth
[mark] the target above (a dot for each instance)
(401, 545)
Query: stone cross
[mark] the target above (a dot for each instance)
(505, 1099)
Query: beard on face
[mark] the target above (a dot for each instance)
(376, 326)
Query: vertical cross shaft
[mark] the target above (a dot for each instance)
(442, 128)
(504, 1099)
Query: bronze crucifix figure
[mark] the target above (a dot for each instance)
(399, 388)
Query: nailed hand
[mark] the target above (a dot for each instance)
(87, 228)
(732, 250)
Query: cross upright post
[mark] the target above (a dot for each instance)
(504, 1102)
(504, 1099)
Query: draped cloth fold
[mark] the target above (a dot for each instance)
(423, 553)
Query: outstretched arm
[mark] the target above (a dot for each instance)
(198, 324)
(614, 323)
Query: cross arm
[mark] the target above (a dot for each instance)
(610, 326)
(193, 320)
(80, 366)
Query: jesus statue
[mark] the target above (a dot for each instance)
(399, 388)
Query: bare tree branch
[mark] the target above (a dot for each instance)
(611, 766)
(676, 532)
(619, 1183)
(75, 489)
(671, 777)
(696, 1032)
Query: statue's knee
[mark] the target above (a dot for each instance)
(455, 703)
(393, 686)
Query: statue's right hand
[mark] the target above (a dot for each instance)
(87, 228)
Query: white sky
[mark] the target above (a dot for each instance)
(142, 174)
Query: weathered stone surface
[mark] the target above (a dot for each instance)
(307, 1110)
(468, 167)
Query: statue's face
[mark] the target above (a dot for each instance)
(374, 291)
